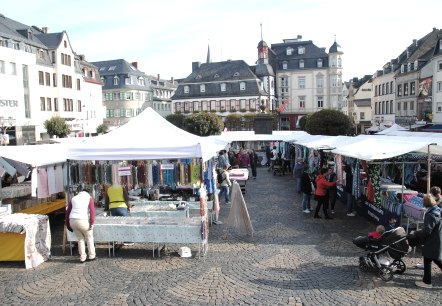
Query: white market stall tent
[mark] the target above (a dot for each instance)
(147, 136)
(287, 136)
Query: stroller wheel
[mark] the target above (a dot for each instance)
(386, 273)
(398, 266)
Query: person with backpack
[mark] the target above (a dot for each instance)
(223, 179)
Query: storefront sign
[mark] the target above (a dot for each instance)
(8, 103)
(124, 171)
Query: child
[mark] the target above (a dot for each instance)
(380, 229)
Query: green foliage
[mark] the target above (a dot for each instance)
(176, 119)
(57, 126)
(102, 129)
(203, 124)
(303, 122)
(233, 122)
(328, 122)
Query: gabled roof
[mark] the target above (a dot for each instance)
(51, 40)
(15, 30)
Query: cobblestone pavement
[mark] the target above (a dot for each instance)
(292, 259)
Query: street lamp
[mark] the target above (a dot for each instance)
(5, 124)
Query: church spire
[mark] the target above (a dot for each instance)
(209, 59)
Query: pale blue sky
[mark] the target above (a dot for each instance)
(166, 36)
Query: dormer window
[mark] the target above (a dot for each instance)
(301, 63)
(116, 80)
(141, 81)
(202, 88)
(284, 65)
(408, 67)
(236, 74)
(216, 76)
(242, 86)
(198, 77)
(186, 89)
(319, 63)
(223, 87)
(301, 50)
(289, 51)
(415, 64)
(402, 68)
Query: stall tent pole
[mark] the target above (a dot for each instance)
(429, 167)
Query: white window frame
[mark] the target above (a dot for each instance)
(320, 101)
(439, 86)
(196, 106)
(242, 86)
(320, 82)
(202, 88)
(319, 63)
(116, 80)
(289, 51)
(301, 102)
(204, 106)
(186, 89)
(301, 50)
(213, 105)
(223, 86)
(439, 107)
(284, 65)
(242, 104)
(301, 63)
(301, 82)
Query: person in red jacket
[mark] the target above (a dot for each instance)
(322, 184)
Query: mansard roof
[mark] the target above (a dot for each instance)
(310, 56)
(12, 29)
(213, 74)
(120, 68)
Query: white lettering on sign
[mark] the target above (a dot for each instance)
(8, 103)
(167, 166)
(124, 171)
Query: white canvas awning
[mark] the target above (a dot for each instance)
(147, 136)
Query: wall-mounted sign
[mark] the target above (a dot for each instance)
(8, 103)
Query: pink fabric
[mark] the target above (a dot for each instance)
(42, 184)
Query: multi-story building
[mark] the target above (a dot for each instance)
(226, 87)
(162, 90)
(403, 90)
(359, 96)
(308, 79)
(126, 91)
(42, 77)
(435, 67)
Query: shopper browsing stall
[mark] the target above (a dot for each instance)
(117, 199)
(80, 215)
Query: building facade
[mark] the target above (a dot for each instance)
(162, 91)
(228, 87)
(126, 91)
(42, 77)
(308, 79)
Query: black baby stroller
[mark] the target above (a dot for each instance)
(385, 254)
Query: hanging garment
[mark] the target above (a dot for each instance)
(42, 183)
(51, 180)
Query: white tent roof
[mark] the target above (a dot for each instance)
(326, 142)
(394, 128)
(231, 136)
(147, 136)
(36, 155)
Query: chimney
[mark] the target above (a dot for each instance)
(195, 66)
(172, 80)
(415, 42)
(158, 76)
(299, 37)
(135, 64)
(44, 30)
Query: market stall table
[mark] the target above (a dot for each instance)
(241, 175)
(25, 237)
(147, 230)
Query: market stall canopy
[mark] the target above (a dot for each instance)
(322, 142)
(38, 155)
(378, 148)
(394, 128)
(147, 136)
(288, 136)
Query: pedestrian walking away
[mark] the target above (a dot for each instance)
(431, 236)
